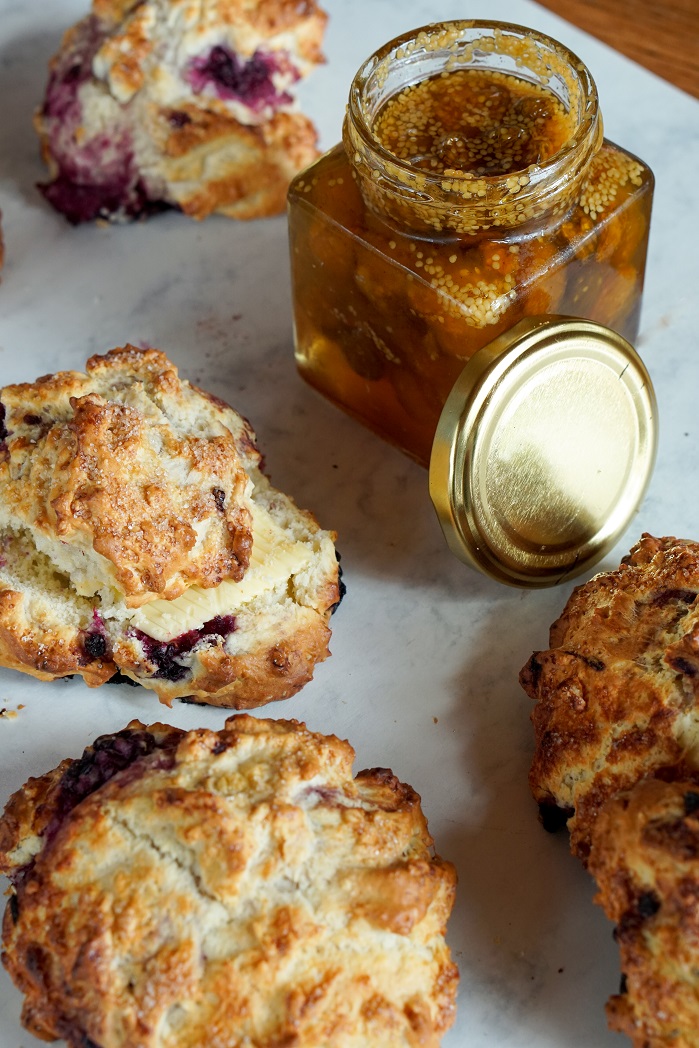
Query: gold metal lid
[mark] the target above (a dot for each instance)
(544, 450)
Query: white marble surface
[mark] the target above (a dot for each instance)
(423, 677)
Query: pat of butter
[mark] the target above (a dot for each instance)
(275, 559)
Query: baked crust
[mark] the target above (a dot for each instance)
(231, 888)
(105, 462)
(645, 859)
(126, 486)
(616, 693)
(132, 123)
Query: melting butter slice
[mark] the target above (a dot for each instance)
(274, 559)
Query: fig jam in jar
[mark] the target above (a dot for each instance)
(472, 189)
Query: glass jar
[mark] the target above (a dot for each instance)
(440, 223)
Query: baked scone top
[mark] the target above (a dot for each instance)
(617, 692)
(175, 889)
(127, 477)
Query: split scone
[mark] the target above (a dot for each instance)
(645, 859)
(138, 533)
(176, 889)
(617, 693)
(175, 103)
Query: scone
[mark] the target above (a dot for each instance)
(177, 889)
(617, 692)
(645, 859)
(138, 533)
(153, 104)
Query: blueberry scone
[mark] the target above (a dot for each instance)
(176, 889)
(139, 534)
(153, 104)
(617, 759)
(645, 859)
(617, 692)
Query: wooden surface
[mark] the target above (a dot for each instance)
(662, 35)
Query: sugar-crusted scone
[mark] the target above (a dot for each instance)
(176, 103)
(138, 532)
(617, 692)
(645, 859)
(127, 478)
(177, 889)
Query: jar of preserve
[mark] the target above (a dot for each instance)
(474, 245)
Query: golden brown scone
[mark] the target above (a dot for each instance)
(138, 532)
(176, 103)
(645, 859)
(111, 476)
(229, 888)
(617, 690)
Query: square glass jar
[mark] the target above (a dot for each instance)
(404, 267)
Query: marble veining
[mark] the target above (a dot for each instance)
(423, 676)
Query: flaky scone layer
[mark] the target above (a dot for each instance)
(230, 888)
(138, 532)
(176, 103)
(617, 691)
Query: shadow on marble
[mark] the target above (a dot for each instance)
(373, 496)
(539, 952)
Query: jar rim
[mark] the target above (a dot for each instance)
(546, 168)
